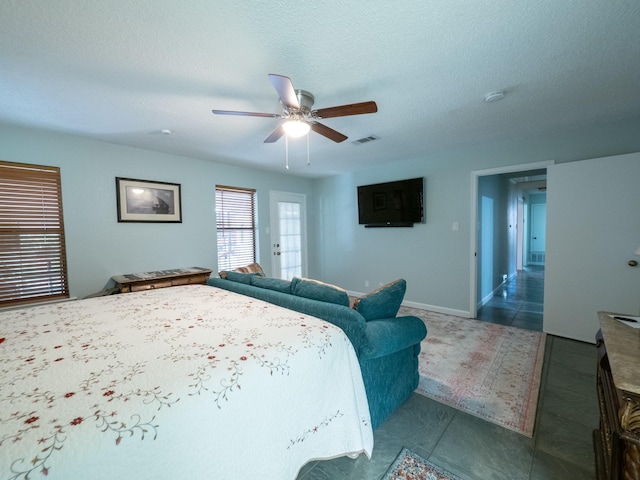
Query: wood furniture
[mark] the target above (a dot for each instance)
(617, 440)
(134, 282)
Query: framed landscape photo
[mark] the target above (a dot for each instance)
(148, 201)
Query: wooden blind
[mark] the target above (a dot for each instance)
(33, 265)
(236, 223)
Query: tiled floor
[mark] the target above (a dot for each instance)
(474, 449)
(518, 303)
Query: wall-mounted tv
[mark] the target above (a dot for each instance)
(391, 204)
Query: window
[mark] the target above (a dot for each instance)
(33, 264)
(236, 223)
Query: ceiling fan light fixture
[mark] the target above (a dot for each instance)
(296, 128)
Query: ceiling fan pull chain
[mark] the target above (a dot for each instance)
(308, 159)
(286, 152)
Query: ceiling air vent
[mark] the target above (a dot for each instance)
(362, 140)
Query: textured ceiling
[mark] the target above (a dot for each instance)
(123, 70)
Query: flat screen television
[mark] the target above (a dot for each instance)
(391, 204)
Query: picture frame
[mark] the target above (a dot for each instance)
(148, 201)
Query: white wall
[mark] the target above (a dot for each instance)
(593, 228)
(434, 259)
(99, 247)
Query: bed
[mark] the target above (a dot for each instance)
(182, 382)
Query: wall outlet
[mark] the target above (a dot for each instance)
(366, 283)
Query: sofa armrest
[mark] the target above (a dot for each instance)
(390, 335)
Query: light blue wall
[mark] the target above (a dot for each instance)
(498, 188)
(434, 259)
(99, 247)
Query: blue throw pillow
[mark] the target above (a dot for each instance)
(238, 277)
(315, 290)
(383, 302)
(276, 284)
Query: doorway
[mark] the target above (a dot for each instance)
(503, 298)
(288, 235)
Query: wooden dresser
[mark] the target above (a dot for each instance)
(617, 441)
(134, 282)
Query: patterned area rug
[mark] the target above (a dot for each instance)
(488, 370)
(411, 466)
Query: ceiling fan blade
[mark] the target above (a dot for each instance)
(275, 135)
(245, 114)
(285, 90)
(330, 133)
(345, 110)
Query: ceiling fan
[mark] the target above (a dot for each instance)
(297, 113)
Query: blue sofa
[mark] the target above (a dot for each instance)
(387, 348)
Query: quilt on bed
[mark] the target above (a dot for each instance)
(182, 382)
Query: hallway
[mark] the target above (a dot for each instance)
(519, 302)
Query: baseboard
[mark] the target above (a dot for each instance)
(424, 306)
(435, 308)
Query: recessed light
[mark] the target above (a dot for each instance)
(494, 96)
(166, 131)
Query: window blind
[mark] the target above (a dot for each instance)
(33, 265)
(236, 224)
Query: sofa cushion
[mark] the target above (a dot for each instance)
(383, 302)
(251, 268)
(316, 290)
(276, 284)
(238, 277)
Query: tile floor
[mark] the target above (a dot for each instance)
(518, 303)
(561, 448)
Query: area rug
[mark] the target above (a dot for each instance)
(409, 465)
(487, 370)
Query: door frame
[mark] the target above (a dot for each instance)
(473, 224)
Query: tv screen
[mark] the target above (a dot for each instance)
(391, 204)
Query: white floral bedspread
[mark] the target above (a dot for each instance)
(183, 382)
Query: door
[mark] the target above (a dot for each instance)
(288, 235)
(538, 233)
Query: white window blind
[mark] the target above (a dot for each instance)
(33, 265)
(236, 223)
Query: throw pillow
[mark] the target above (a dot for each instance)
(276, 284)
(383, 302)
(316, 290)
(251, 268)
(238, 277)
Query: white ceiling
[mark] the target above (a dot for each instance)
(123, 70)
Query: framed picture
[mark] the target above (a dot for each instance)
(148, 201)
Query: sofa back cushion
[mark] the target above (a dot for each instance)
(276, 284)
(237, 276)
(383, 302)
(242, 274)
(316, 290)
